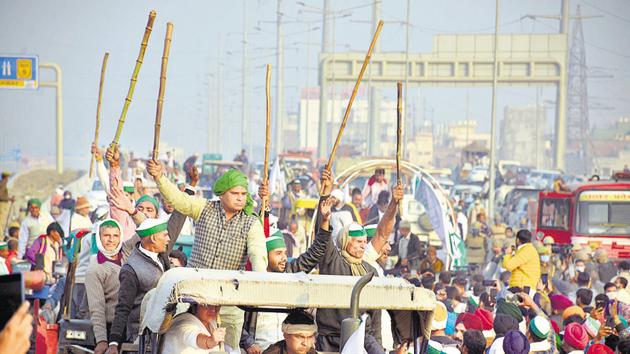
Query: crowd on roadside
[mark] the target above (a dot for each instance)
(523, 295)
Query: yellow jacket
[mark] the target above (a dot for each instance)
(524, 265)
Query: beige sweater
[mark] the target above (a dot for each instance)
(101, 284)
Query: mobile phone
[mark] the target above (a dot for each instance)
(489, 282)
(12, 295)
(600, 304)
(493, 293)
(545, 279)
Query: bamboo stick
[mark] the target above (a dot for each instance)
(98, 109)
(354, 94)
(398, 132)
(267, 135)
(160, 100)
(134, 76)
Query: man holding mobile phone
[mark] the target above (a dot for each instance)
(523, 262)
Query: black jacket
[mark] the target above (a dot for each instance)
(139, 275)
(304, 263)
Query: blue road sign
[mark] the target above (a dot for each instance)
(19, 72)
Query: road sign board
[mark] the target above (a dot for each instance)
(19, 72)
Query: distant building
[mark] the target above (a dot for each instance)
(522, 136)
(357, 129)
(611, 147)
(453, 137)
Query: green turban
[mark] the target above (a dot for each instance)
(150, 199)
(34, 201)
(509, 309)
(230, 179)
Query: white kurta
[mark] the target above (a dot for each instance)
(182, 336)
(30, 229)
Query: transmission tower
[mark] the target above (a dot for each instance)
(579, 155)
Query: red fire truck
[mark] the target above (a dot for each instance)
(593, 214)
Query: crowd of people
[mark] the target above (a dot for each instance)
(525, 295)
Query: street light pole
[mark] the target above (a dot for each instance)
(279, 80)
(57, 85)
(493, 127)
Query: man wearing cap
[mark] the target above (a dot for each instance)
(5, 201)
(537, 334)
(4, 253)
(146, 264)
(33, 225)
(227, 231)
(260, 330)
(102, 281)
(80, 218)
(345, 260)
(438, 326)
(342, 213)
(374, 186)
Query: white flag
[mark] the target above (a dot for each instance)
(356, 342)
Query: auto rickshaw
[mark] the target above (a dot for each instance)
(411, 307)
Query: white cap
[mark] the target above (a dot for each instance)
(338, 194)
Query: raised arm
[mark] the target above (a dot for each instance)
(115, 186)
(256, 249)
(101, 170)
(307, 261)
(386, 225)
(182, 202)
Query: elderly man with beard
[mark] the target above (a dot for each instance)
(227, 232)
(102, 282)
(347, 260)
(260, 330)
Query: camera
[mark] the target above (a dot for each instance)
(563, 249)
(488, 283)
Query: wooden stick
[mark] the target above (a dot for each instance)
(160, 100)
(354, 94)
(134, 77)
(267, 136)
(399, 132)
(98, 109)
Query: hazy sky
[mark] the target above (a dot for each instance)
(75, 34)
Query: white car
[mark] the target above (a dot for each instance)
(478, 174)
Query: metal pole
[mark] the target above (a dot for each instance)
(323, 83)
(412, 127)
(374, 106)
(279, 81)
(217, 142)
(244, 82)
(307, 142)
(493, 128)
(333, 89)
(59, 111)
(561, 107)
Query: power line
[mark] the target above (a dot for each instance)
(606, 12)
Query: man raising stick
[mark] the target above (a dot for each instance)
(227, 232)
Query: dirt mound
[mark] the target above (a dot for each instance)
(40, 183)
